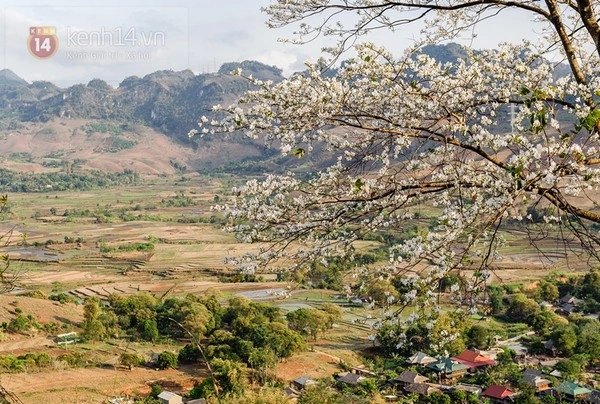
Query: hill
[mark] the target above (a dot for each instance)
(140, 125)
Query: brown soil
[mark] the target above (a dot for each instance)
(151, 155)
(311, 364)
(94, 385)
(43, 310)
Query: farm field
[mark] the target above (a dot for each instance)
(162, 238)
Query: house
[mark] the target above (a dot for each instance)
(572, 391)
(448, 369)
(362, 370)
(550, 347)
(422, 389)
(498, 394)
(569, 299)
(568, 304)
(303, 382)
(491, 353)
(535, 379)
(520, 351)
(166, 397)
(556, 373)
(407, 377)
(421, 359)
(350, 378)
(196, 401)
(473, 360)
(67, 339)
(468, 388)
(568, 308)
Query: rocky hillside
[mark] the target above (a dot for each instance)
(141, 125)
(167, 101)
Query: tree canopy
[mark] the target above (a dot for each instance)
(410, 135)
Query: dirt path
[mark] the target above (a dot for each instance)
(26, 344)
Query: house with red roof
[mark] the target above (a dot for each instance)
(474, 360)
(498, 394)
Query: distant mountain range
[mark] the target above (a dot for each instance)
(141, 125)
(168, 101)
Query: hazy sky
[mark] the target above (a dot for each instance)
(113, 39)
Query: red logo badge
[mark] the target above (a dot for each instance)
(42, 42)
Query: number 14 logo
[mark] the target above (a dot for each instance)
(42, 42)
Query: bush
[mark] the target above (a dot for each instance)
(167, 360)
(19, 324)
(62, 298)
(189, 353)
(129, 360)
(156, 389)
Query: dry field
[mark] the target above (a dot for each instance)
(94, 385)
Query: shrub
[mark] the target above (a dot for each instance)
(167, 360)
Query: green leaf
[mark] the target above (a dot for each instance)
(299, 152)
(590, 122)
(358, 184)
(524, 91)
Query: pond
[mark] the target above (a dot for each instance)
(31, 254)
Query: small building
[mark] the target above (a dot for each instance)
(549, 363)
(550, 347)
(421, 359)
(166, 397)
(556, 373)
(407, 377)
(473, 360)
(535, 379)
(303, 382)
(67, 339)
(350, 378)
(422, 389)
(570, 299)
(448, 369)
(568, 304)
(362, 370)
(572, 391)
(568, 308)
(498, 394)
(468, 388)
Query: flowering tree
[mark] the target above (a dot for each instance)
(414, 138)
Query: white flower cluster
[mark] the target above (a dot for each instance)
(410, 132)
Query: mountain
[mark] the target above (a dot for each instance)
(168, 101)
(8, 79)
(142, 124)
(447, 53)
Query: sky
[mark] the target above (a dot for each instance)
(70, 41)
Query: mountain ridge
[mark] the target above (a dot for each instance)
(43, 125)
(165, 100)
